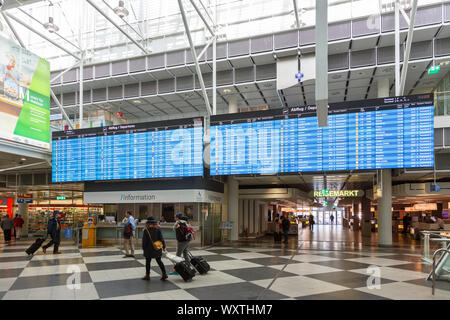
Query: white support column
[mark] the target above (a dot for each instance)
(385, 210)
(385, 201)
(233, 207)
(81, 95)
(251, 216)
(232, 104)
(397, 47)
(321, 33)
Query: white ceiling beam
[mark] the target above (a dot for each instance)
(41, 35)
(408, 47)
(145, 51)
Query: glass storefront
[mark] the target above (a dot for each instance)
(323, 216)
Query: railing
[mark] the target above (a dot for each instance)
(434, 237)
(444, 257)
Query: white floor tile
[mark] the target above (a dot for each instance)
(86, 292)
(212, 278)
(395, 274)
(247, 255)
(49, 270)
(117, 274)
(13, 264)
(99, 249)
(6, 283)
(311, 258)
(377, 261)
(305, 268)
(300, 286)
(100, 259)
(407, 291)
(232, 264)
(202, 253)
(51, 256)
(160, 295)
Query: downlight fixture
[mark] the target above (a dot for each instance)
(121, 11)
(50, 25)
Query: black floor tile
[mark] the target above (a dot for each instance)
(341, 255)
(227, 251)
(343, 295)
(10, 273)
(345, 279)
(342, 264)
(269, 261)
(279, 253)
(113, 265)
(54, 262)
(258, 273)
(217, 257)
(415, 266)
(117, 288)
(12, 259)
(235, 291)
(439, 284)
(101, 254)
(403, 257)
(47, 281)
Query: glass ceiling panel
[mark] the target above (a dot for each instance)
(157, 24)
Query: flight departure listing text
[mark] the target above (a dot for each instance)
(387, 133)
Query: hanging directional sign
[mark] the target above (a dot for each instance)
(434, 69)
(299, 76)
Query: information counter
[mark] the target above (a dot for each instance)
(112, 232)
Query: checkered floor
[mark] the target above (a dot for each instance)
(265, 272)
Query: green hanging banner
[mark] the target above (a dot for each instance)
(24, 96)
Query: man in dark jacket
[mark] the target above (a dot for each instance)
(7, 225)
(54, 230)
(286, 224)
(152, 233)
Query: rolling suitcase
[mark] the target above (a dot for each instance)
(200, 264)
(185, 270)
(35, 246)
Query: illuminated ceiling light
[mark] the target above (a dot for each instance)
(137, 101)
(226, 90)
(23, 159)
(121, 11)
(50, 25)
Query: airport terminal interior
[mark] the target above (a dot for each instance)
(300, 149)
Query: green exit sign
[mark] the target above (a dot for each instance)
(434, 69)
(326, 191)
(61, 198)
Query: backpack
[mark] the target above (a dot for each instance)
(127, 232)
(187, 232)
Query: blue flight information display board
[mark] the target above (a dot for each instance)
(384, 133)
(163, 149)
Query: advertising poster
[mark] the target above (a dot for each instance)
(24, 96)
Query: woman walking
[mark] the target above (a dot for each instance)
(153, 245)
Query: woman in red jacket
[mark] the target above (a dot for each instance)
(18, 223)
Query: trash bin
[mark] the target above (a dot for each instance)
(68, 233)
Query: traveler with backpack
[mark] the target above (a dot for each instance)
(286, 225)
(153, 245)
(128, 235)
(184, 234)
(54, 230)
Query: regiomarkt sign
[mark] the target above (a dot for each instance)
(338, 193)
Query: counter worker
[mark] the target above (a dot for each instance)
(129, 235)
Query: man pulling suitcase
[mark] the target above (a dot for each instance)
(54, 230)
